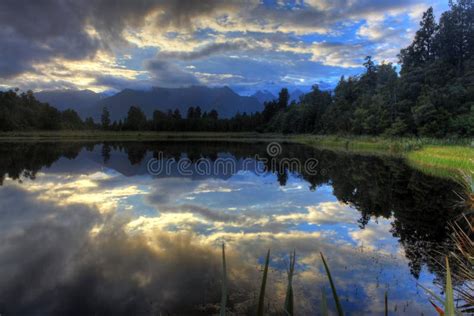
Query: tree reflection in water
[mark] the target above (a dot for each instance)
(419, 205)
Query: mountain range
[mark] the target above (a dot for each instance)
(223, 99)
(264, 96)
(79, 100)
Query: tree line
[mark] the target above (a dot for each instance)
(432, 95)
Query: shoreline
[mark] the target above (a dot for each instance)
(439, 157)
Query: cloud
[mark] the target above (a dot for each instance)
(91, 39)
(32, 32)
(206, 50)
(166, 74)
(119, 83)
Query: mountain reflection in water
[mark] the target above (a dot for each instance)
(86, 230)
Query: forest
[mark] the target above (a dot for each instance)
(430, 94)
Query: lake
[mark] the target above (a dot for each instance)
(136, 228)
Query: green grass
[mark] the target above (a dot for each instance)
(442, 159)
(377, 144)
(439, 157)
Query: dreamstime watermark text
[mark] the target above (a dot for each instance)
(274, 161)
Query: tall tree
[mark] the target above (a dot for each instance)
(136, 119)
(283, 98)
(197, 112)
(214, 115)
(456, 33)
(190, 113)
(105, 118)
(422, 49)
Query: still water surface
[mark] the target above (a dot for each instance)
(85, 229)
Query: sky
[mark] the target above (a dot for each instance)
(109, 45)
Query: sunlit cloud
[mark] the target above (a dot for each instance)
(102, 46)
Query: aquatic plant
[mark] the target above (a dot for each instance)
(324, 303)
(261, 298)
(340, 312)
(224, 283)
(463, 256)
(448, 301)
(289, 300)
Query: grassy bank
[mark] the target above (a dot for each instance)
(442, 160)
(441, 157)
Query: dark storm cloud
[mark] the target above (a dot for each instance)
(36, 31)
(120, 83)
(206, 51)
(314, 17)
(165, 73)
(162, 73)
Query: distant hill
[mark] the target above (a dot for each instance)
(79, 100)
(264, 96)
(88, 103)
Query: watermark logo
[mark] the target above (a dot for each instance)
(274, 149)
(273, 162)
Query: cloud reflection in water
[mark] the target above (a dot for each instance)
(98, 240)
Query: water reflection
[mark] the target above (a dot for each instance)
(86, 230)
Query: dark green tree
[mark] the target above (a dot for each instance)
(283, 98)
(71, 120)
(422, 49)
(136, 119)
(105, 118)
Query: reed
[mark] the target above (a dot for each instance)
(289, 299)
(324, 303)
(224, 283)
(447, 302)
(463, 257)
(449, 295)
(261, 298)
(340, 312)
